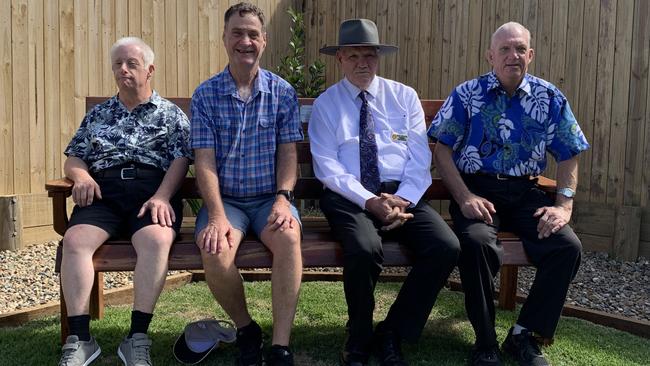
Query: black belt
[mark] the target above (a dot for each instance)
(130, 171)
(498, 176)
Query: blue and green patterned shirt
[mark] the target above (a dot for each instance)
(492, 133)
(154, 133)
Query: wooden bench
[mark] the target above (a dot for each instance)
(319, 248)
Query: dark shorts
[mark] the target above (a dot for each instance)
(116, 213)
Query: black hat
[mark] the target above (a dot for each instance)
(359, 33)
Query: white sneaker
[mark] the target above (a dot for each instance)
(79, 353)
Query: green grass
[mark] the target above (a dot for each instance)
(318, 333)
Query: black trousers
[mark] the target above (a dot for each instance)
(435, 249)
(556, 258)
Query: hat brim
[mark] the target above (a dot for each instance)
(184, 354)
(382, 49)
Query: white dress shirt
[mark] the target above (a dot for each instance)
(400, 132)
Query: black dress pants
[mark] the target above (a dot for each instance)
(556, 258)
(435, 249)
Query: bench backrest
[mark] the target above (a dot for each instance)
(307, 186)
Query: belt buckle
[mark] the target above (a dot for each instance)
(127, 173)
(502, 177)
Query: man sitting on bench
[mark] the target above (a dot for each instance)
(127, 161)
(493, 134)
(370, 150)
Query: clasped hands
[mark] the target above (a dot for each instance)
(390, 209)
(551, 218)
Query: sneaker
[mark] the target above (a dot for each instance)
(485, 357)
(134, 351)
(524, 349)
(249, 342)
(79, 353)
(279, 356)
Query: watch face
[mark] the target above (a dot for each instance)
(567, 192)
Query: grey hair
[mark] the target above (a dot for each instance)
(147, 52)
(510, 26)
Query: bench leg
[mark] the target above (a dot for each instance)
(65, 330)
(97, 297)
(508, 287)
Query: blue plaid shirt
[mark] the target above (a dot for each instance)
(245, 134)
(492, 133)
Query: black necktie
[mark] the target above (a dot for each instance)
(368, 148)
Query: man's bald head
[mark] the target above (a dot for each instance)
(510, 28)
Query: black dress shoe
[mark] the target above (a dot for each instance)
(388, 347)
(353, 358)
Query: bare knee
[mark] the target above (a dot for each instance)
(83, 240)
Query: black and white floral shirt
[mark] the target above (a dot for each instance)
(154, 133)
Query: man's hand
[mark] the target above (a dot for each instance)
(161, 211)
(280, 217)
(216, 236)
(398, 215)
(85, 190)
(551, 219)
(390, 209)
(476, 207)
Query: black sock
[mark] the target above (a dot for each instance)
(139, 322)
(80, 326)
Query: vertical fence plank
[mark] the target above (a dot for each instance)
(108, 32)
(620, 96)
(80, 61)
(529, 20)
(135, 18)
(158, 45)
(474, 57)
(20, 57)
(171, 50)
(95, 59)
(588, 86)
(66, 70)
(573, 55)
(194, 76)
(605, 72)
(6, 98)
(122, 19)
(36, 96)
(639, 113)
(182, 48)
(52, 100)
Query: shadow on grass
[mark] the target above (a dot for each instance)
(318, 334)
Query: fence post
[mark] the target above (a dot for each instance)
(11, 226)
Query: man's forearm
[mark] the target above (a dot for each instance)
(208, 182)
(287, 166)
(75, 168)
(173, 178)
(449, 173)
(567, 177)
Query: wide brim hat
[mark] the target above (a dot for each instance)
(359, 33)
(200, 338)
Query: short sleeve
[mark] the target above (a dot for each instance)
(448, 126)
(565, 138)
(288, 122)
(202, 135)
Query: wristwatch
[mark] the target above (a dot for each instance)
(287, 194)
(567, 192)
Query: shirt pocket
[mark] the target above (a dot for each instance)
(266, 129)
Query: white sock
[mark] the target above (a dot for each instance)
(517, 329)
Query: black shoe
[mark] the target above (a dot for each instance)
(484, 357)
(388, 347)
(353, 358)
(524, 349)
(249, 342)
(279, 356)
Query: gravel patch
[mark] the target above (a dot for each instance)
(27, 279)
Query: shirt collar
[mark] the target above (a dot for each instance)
(260, 84)
(372, 90)
(154, 99)
(494, 83)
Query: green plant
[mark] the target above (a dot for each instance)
(195, 204)
(307, 83)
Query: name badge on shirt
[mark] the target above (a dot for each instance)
(399, 137)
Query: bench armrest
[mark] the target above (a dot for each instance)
(59, 190)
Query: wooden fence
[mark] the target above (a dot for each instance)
(54, 53)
